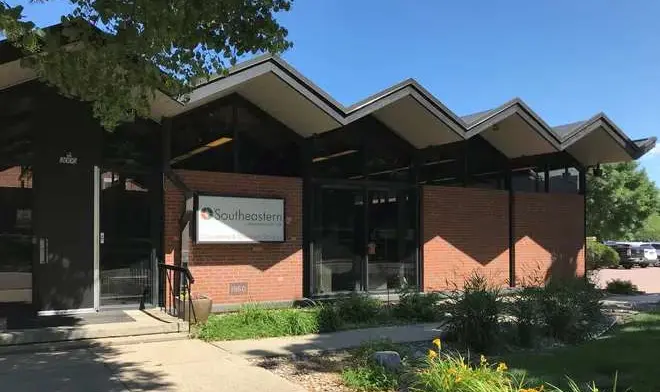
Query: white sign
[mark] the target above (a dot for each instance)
(223, 219)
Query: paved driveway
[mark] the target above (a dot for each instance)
(646, 279)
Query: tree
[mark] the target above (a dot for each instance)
(650, 231)
(619, 201)
(117, 53)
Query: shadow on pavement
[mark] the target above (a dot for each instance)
(92, 367)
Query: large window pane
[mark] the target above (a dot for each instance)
(339, 229)
(16, 249)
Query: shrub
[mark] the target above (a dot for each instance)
(329, 319)
(370, 377)
(416, 306)
(618, 286)
(526, 310)
(364, 374)
(474, 314)
(358, 308)
(452, 373)
(571, 309)
(601, 256)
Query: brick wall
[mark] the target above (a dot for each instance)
(273, 271)
(549, 236)
(464, 230)
(11, 178)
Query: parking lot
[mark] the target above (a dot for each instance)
(646, 279)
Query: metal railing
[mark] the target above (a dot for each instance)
(175, 296)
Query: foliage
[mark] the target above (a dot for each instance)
(358, 308)
(453, 374)
(116, 54)
(252, 321)
(631, 351)
(370, 377)
(601, 256)
(526, 310)
(619, 201)
(571, 309)
(417, 306)
(474, 313)
(650, 230)
(329, 318)
(364, 374)
(619, 286)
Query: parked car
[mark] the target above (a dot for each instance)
(635, 254)
(656, 245)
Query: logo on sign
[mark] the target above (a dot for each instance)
(68, 159)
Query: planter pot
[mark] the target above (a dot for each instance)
(201, 309)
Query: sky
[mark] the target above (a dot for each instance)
(567, 59)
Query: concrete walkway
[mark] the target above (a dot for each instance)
(270, 347)
(181, 365)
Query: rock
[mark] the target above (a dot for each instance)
(390, 360)
(418, 354)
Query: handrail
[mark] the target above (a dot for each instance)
(176, 282)
(178, 268)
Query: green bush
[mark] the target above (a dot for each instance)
(452, 373)
(601, 256)
(358, 308)
(619, 286)
(474, 314)
(571, 309)
(416, 306)
(364, 374)
(370, 377)
(329, 318)
(526, 310)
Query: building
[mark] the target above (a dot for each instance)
(269, 190)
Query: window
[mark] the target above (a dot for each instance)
(528, 180)
(565, 180)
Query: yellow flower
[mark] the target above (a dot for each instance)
(483, 360)
(501, 367)
(438, 343)
(432, 354)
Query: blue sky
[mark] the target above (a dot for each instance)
(567, 59)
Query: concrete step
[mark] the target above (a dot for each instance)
(150, 322)
(92, 343)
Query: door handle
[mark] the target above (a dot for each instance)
(43, 250)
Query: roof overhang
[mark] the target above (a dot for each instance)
(514, 129)
(406, 108)
(599, 140)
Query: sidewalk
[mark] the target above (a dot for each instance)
(632, 302)
(182, 366)
(270, 347)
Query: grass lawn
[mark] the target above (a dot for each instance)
(632, 350)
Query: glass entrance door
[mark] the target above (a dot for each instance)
(364, 239)
(126, 249)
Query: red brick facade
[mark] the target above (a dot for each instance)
(464, 230)
(273, 272)
(549, 236)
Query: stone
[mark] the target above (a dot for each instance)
(390, 360)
